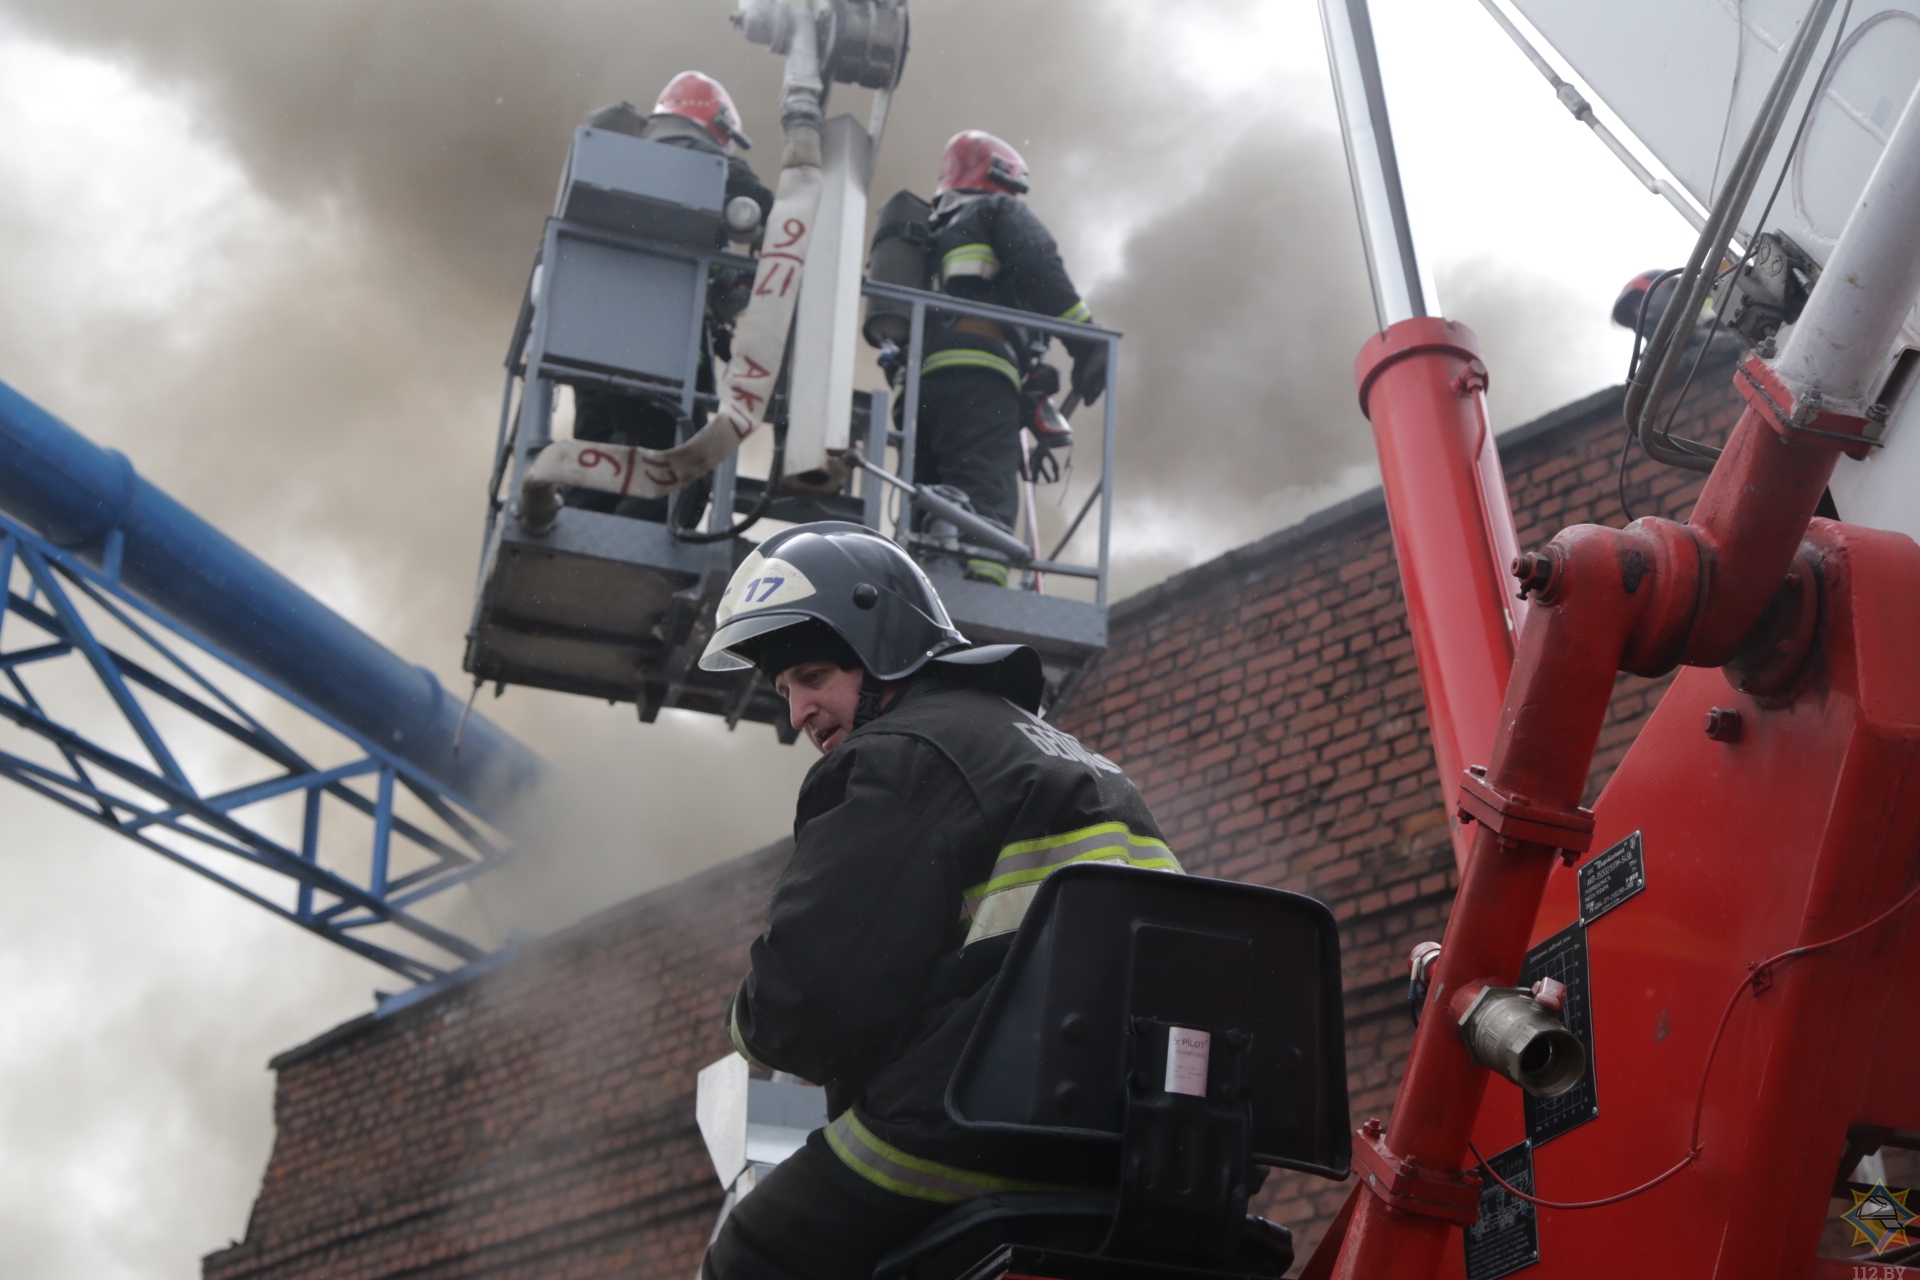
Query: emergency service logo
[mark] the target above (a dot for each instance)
(1059, 744)
(1880, 1217)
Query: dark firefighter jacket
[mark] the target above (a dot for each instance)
(994, 249)
(918, 844)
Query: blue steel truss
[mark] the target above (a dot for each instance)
(228, 835)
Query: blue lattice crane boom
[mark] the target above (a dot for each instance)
(91, 501)
(100, 567)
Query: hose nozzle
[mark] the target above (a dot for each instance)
(1508, 1031)
(539, 505)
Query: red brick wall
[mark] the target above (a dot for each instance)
(535, 1124)
(538, 1122)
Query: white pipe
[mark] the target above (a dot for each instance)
(801, 88)
(1839, 348)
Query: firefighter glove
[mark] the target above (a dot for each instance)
(1090, 373)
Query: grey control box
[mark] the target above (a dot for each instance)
(636, 187)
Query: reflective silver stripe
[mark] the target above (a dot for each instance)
(1002, 911)
(976, 259)
(1107, 835)
(887, 1166)
(965, 357)
(998, 904)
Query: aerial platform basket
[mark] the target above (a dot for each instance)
(617, 606)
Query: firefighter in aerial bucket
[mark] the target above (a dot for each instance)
(984, 244)
(940, 801)
(694, 111)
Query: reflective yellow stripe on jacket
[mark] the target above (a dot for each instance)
(1078, 313)
(977, 259)
(998, 905)
(968, 357)
(888, 1166)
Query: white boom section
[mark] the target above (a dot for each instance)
(826, 329)
(1828, 354)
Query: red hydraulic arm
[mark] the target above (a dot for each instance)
(1737, 588)
(1422, 384)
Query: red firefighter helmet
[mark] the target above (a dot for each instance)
(976, 161)
(1633, 295)
(700, 98)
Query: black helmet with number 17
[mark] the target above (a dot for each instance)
(839, 590)
(855, 581)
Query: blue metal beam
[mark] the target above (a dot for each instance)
(94, 545)
(89, 501)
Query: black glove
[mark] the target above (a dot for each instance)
(1090, 373)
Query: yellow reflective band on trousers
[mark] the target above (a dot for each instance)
(888, 1166)
(977, 259)
(1078, 313)
(987, 571)
(968, 358)
(1000, 904)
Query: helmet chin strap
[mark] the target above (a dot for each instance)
(872, 695)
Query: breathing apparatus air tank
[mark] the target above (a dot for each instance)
(899, 257)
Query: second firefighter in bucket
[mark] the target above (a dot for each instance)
(984, 244)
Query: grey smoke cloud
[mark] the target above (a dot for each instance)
(335, 407)
(324, 387)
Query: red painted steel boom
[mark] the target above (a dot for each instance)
(1422, 384)
(1774, 871)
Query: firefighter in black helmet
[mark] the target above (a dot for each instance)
(941, 801)
(985, 245)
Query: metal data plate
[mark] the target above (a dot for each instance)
(1612, 878)
(1507, 1236)
(1563, 957)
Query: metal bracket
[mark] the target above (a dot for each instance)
(1404, 1185)
(1808, 419)
(1517, 818)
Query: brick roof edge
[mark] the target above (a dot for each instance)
(365, 1022)
(1327, 521)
